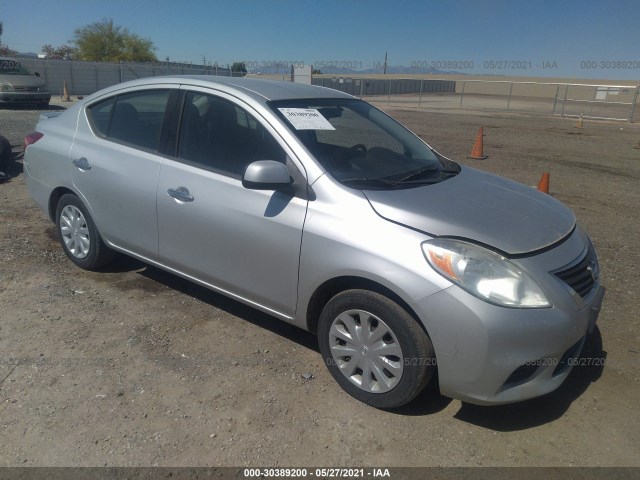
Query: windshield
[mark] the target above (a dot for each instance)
(12, 67)
(361, 146)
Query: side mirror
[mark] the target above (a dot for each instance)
(36, 74)
(266, 175)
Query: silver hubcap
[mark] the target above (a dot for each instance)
(366, 351)
(75, 232)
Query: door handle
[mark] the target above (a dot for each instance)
(181, 194)
(82, 163)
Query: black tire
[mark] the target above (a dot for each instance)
(6, 153)
(97, 254)
(418, 357)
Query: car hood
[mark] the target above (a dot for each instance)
(481, 207)
(22, 80)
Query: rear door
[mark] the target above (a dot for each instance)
(115, 165)
(243, 242)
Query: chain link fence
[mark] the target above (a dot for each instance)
(608, 102)
(605, 102)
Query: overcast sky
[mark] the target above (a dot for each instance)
(586, 38)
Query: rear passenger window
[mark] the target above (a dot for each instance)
(218, 135)
(135, 118)
(100, 115)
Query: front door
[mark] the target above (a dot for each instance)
(243, 242)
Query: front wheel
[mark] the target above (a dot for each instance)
(374, 349)
(79, 236)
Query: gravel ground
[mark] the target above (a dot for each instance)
(136, 367)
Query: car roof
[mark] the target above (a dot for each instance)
(259, 89)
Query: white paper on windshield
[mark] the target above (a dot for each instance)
(306, 119)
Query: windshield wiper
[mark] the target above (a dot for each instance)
(413, 176)
(370, 181)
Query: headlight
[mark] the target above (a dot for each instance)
(484, 273)
(6, 87)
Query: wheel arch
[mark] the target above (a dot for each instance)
(55, 196)
(334, 286)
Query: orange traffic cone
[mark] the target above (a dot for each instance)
(477, 150)
(580, 122)
(543, 184)
(65, 93)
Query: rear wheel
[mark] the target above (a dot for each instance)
(374, 349)
(79, 236)
(5, 153)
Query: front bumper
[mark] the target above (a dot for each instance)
(488, 354)
(24, 97)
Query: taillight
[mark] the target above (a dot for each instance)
(32, 138)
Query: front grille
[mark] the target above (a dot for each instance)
(582, 276)
(25, 89)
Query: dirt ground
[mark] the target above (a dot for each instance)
(135, 367)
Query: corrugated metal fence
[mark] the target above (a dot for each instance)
(361, 87)
(84, 78)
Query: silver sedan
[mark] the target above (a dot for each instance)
(325, 212)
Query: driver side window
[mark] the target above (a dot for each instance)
(218, 135)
